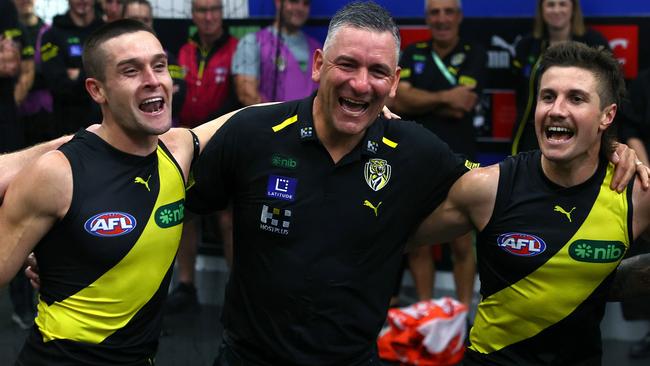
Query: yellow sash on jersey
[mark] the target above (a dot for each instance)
(557, 288)
(109, 303)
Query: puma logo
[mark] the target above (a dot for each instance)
(143, 182)
(372, 207)
(562, 211)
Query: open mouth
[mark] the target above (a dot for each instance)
(353, 105)
(558, 133)
(152, 105)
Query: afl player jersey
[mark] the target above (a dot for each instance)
(546, 261)
(105, 267)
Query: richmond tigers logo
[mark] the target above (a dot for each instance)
(377, 173)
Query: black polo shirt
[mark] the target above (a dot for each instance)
(317, 245)
(466, 63)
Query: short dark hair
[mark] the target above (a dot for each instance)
(366, 15)
(606, 69)
(93, 57)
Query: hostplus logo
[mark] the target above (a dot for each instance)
(597, 251)
(275, 220)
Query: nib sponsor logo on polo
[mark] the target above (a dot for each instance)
(275, 220)
(520, 244)
(107, 224)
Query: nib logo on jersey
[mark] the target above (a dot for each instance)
(107, 224)
(597, 251)
(523, 245)
(275, 220)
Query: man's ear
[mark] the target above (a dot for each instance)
(608, 117)
(96, 90)
(316, 65)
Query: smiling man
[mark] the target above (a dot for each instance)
(550, 231)
(101, 206)
(324, 194)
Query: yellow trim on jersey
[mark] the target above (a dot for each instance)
(108, 304)
(552, 292)
(405, 73)
(388, 142)
(286, 123)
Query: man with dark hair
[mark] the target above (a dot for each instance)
(550, 232)
(141, 10)
(100, 207)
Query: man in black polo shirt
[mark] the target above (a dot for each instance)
(324, 196)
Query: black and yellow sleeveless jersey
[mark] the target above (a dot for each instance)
(546, 261)
(105, 267)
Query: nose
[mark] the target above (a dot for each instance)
(360, 82)
(150, 78)
(558, 108)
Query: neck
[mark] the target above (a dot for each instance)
(82, 20)
(337, 144)
(130, 142)
(285, 29)
(208, 39)
(559, 35)
(442, 49)
(572, 173)
(29, 19)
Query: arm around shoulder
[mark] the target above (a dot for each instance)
(38, 197)
(468, 205)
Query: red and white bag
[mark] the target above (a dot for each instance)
(427, 333)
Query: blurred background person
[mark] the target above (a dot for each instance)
(16, 78)
(206, 60)
(440, 83)
(274, 63)
(555, 21)
(111, 10)
(61, 50)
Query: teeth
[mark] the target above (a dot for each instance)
(559, 129)
(152, 100)
(353, 101)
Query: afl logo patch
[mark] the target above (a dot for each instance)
(523, 245)
(110, 224)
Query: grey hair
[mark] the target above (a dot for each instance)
(366, 15)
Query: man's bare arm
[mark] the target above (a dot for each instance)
(34, 201)
(247, 89)
(632, 279)
(12, 163)
(468, 205)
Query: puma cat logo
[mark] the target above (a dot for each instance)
(143, 182)
(562, 211)
(372, 207)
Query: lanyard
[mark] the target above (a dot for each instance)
(443, 69)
